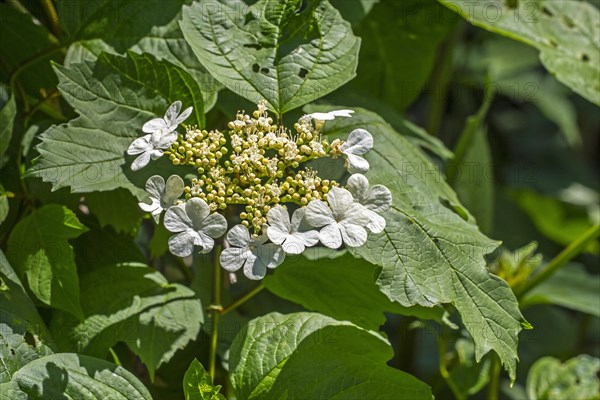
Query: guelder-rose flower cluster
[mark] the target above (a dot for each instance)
(254, 177)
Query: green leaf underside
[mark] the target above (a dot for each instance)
(273, 50)
(197, 384)
(38, 248)
(430, 251)
(23, 334)
(576, 379)
(76, 376)
(114, 97)
(309, 355)
(567, 33)
(154, 317)
(570, 287)
(342, 288)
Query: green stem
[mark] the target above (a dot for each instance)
(560, 260)
(216, 311)
(442, 345)
(494, 378)
(114, 356)
(52, 16)
(243, 299)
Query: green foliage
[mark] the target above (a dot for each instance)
(273, 50)
(429, 234)
(78, 376)
(163, 318)
(566, 34)
(308, 355)
(347, 291)
(111, 94)
(576, 379)
(197, 384)
(94, 306)
(39, 249)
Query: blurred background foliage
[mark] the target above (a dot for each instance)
(523, 158)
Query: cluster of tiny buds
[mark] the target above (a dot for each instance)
(256, 164)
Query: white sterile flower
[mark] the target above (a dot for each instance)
(170, 121)
(376, 199)
(359, 142)
(328, 116)
(251, 254)
(160, 136)
(162, 195)
(150, 146)
(290, 235)
(194, 225)
(342, 221)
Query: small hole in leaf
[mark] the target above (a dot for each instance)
(512, 4)
(568, 22)
(253, 46)
(303, 72)
(547, 12)
(12, 351)
(249, 18)
(264, 70)
(255, 67)
(29, 339)
(585, 57)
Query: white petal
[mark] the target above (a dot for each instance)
(172, 112)
(204, 241)
(353, 235)
(322, 116)
(155, 154)
(140, 162)
(270, 255)
(339, 201)
(318, 214)
(151, 207)
(184, 115)
(173, 189)
(309, 238)
(377, 224)
(154, 125)
(140, 145)
(238, 236)
(379, 199)
(293, 245)
(357, 214)
(254, 268)
(279, 219)
(297, 219)
(356, 164)
(359, 142)
(233, 258)
(155, 186)
(358, 185)
(276, 235)
(215, 225)
(177, 220)
(342, 113)
(166, 140)
(197, 210)
(330, 236)
(182, 244)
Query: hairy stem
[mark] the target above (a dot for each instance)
(216, 309)
(244, 298)
(560, 260)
